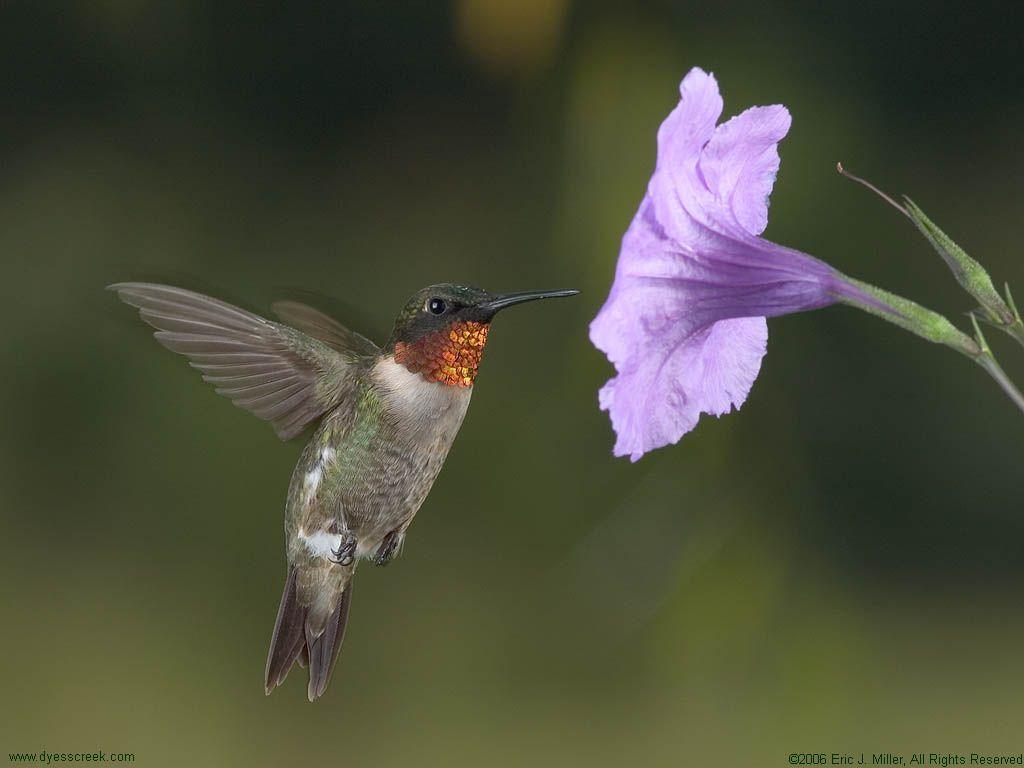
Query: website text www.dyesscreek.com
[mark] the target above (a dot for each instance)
(45, 757)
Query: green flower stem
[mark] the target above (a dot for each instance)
(912, 317)
(972, 277)
(933, 327)
(988, 361)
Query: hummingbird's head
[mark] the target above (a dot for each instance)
(442, 330)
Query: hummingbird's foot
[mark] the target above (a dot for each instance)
(346, 551)
(388, 548)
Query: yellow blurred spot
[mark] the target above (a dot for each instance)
(510, 37)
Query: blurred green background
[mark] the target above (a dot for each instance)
(836, 568)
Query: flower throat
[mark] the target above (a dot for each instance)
(450, 356)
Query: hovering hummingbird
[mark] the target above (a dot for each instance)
(385, 417)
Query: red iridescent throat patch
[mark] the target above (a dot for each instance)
(451, 356)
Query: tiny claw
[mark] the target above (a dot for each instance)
(346, 551)
(388, 549)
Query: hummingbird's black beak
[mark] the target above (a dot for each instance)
(508, 299)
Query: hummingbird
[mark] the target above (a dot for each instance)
(385, 419)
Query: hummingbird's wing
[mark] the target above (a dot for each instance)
(326, 329)
(279, 374)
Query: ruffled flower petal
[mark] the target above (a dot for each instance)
(656, 332)
(709, 370)
(684, 323)
(740, 162)
(679, 196)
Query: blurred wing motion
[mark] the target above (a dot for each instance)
(324, 328)
(279, 374)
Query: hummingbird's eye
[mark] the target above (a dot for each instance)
(436, 306)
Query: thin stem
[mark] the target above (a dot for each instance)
(873, 188)
(988, 362)
(905, 313)
(1016, 330)
(927, 324)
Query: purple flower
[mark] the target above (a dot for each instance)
(684, 323)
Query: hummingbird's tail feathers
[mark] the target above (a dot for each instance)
(277, 373)
(322, 651)
(288, 640)
(299, 637)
